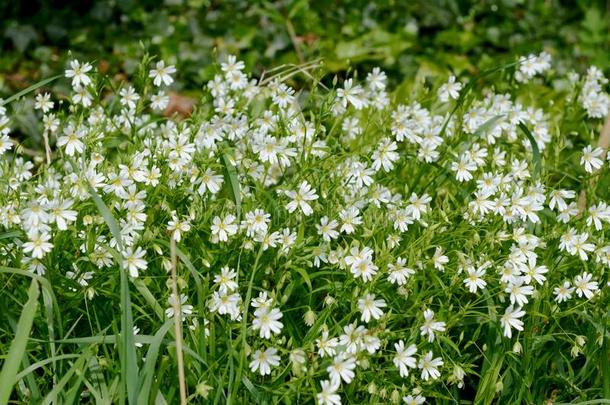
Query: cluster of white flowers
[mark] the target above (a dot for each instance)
(532, 65)
(592, 96)
(256, 189)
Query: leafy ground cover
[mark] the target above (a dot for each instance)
(310, 233)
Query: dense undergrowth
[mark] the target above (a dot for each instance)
(392, 202)
(351, 242)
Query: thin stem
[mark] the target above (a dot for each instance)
(177, 322)
(47, 148)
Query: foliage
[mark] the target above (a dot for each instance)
(312, 228)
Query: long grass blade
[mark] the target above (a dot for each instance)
(233, 183)
(17, 350)
(30, 89)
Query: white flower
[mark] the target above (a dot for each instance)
(225, 303)
(376, 79)
(43, 102)
(185, 310)
(429, 366)
(133, 261)
(580, 247)
(351, 94)
(418, 205)
(463, 169)
(399, 273)
(78, 73)
(563, 292)
(534, 272)
(364, 268)
(327, 229)
(350, 217)
(263, 361)
(439, 259)
(224, 227)
(558, 198)
(300, 199)
(161, 74)
(591, 158)
(129, 97)
(267, 322)
(475, 280)
(82, 96)
(584, 285)
(510, 319)
(519, 291)
(597, 214)
(38, 244)
(431, 325)
(5, 144)
(326, 346)
(404, 359)
(414, 400)
(177, 228)
(225, 280)
(370, 307)
(232, 65)
(60, 212)
(159, 101)
(72, 141)
(328, 395)
(342, 369)
(385, 155)
(451, 89)
(210, 181)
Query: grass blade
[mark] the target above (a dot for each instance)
(233, 183)
(79, 364)
(129, 359)
(30, 89)
(112, 223)
(536, 152)
(149, 370)
(18, 346)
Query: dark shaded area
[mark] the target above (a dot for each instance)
(400, 36)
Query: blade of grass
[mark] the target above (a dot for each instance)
(149, 370)
(243, 327)
(128, 355)
(79, 364)
(233, 183)
(30, 89)
(19, 343)
(129, 363)
(112, 223)
(51, 308)
(535, 151)
(148, 297)
(33, 367)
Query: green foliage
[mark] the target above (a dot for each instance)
(103, 335)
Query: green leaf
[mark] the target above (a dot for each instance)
(536, 152)
(79, 364)
(18, 345)
(233, 183)
(30, 89)
(10, 234)
(149, 370)
(305, 276)
(112, 223)
(129, 360)
(487, 126)
(128, 355)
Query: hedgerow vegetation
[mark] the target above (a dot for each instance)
(269, 203)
